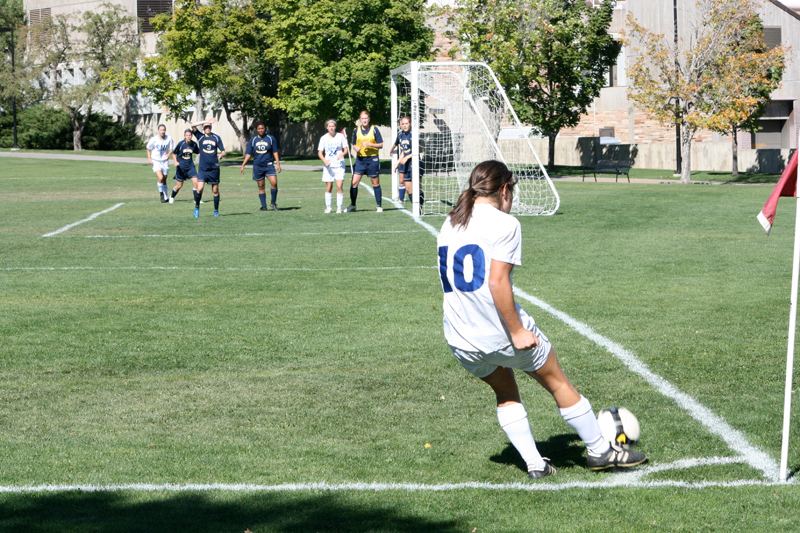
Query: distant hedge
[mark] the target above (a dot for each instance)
(42, 127)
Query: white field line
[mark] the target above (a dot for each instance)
(735, 439)
(91, 217)
(225, 269)
(168, 236)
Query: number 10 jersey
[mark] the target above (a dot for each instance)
(471, 320)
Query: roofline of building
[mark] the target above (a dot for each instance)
(779, 5)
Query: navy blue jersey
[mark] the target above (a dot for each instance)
(209, 146)
(261, 149)
(184, 152)
(404, 142)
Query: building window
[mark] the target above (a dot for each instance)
(606, 132)
(772, 37)
(37, 16)
(147, 9)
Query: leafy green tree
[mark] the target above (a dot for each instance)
(193, 44)
(72, 57)
(551, 56)
(334, 56)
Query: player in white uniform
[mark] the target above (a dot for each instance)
(490, 335)
(159, 150)
(331, 150)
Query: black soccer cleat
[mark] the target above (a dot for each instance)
(350, 209)
(274, 207)
(548, 470)
(264, 209)
(615, 457)
(164, 198)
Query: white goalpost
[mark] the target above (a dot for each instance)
(460, 116)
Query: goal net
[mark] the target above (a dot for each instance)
(461, 116)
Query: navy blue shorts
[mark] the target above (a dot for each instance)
(405, 170)
(259, 173)
(367, 166)
(209, 176)
(183, 175)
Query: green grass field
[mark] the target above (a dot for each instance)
(297, 360)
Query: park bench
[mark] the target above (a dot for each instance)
(605, 166)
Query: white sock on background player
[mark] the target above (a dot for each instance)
(328, 197)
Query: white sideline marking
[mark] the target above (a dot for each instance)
(244, 269)
(627, 480)
(735, 439)
(91, 217)
(167, 236)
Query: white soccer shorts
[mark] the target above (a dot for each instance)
(330, 174)
(481, 364)
(162, 166)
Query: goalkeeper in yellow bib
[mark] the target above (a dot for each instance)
(367, 141)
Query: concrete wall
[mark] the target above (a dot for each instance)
(708, 156)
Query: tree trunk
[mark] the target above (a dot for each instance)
(240, 134)
(126, 107)
(735, 151)
(198, 105)
(686, 152)
(551, 151)
(76, 129)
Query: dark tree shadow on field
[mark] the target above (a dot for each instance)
(564, 451)
(200, 512)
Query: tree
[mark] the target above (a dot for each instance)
(73, 57)
(552, 56)
(18, 85)
(742, 88)
(111, 44)
(193, 43)
(334, 57)
(246, 83)
(696, 84)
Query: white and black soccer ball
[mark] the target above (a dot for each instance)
(620, 426)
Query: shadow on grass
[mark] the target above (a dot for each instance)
(563, 450)
(744, 177)
(200, 512)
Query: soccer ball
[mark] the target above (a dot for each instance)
(619, 425)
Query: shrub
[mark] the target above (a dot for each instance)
(44, 128)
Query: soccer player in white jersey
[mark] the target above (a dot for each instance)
(331, 150)
(159, 150)
(490, 335)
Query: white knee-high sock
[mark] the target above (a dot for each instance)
(581, 418)
(514, 421)
(339, 200)
(328, 200)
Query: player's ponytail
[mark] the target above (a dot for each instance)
(486, 179)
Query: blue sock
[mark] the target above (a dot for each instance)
(216, 203)
(402, 194)
(274, 194)
(263, 199)
(378, 195)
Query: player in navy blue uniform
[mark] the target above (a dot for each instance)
(403, 142)
(184, 164)
(263, 148)
(367, 141)
(211, 152)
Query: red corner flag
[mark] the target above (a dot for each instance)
(787, 186)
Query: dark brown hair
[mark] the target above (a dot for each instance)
(486, 179)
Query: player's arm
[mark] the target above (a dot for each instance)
(378, 140)
(246, 159)
(149, 159)
(222, 151)
(194, 125)
(503, 296)
(277, 161)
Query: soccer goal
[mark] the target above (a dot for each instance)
(460, 116)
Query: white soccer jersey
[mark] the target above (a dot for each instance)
(471, 320)
(160, 149)
(331, 147)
